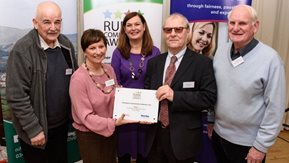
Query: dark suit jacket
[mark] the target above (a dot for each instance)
(185, 111)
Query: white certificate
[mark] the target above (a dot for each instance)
(136, 104)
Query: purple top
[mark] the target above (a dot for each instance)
(130, 137)
(121, 68)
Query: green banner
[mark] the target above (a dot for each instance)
(14, 149)
(12, 145)
(73, 152)
(90, 4)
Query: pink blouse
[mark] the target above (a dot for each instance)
(91, 108)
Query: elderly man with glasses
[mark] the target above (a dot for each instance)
(185, 85)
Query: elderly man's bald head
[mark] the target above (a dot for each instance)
(46, 6)
(48, 21)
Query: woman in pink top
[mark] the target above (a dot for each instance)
(92, 89)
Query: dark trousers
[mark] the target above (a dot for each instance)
(227, 152)
(55, 150)
(127, 159)
(96, 148)
(162, 151)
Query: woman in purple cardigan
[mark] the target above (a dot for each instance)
(129, 60)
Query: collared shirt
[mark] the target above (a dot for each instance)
(45, 46)
(179, 56)
(243, 51)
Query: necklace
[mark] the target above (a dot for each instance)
(98, 85)
(131, 68)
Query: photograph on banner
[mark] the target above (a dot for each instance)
(108, 15)
(12, 28)
(203, 37)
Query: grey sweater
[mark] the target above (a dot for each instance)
(251, 97)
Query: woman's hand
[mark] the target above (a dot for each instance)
(122, 121)
(146, 122)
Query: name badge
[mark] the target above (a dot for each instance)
(190, 84)
(237, 61)
(68, 71)
(109, 83)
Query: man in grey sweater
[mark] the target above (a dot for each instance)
(251, 92)
(38, 74)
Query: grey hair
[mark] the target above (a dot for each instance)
(174, 15)
(250, 9)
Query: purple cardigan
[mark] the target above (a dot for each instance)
(121, 68)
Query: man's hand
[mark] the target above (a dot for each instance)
(255, 156)
(38, 139)
(165, 92)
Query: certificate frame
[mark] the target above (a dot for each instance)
(136, 104)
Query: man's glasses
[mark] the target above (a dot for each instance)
(169, 30)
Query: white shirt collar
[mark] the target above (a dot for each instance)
(45, 46)
(179, 55)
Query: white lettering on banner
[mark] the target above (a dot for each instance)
(15, 139)
(220, 10)
(195, 6)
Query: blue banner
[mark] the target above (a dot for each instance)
(205, 10)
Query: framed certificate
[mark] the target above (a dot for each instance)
(136, 104)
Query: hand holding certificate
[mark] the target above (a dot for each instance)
(136, 104)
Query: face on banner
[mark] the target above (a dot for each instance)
(203, 37)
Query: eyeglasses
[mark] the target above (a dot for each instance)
(169, 30)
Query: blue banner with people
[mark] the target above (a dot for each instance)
(205, 10)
